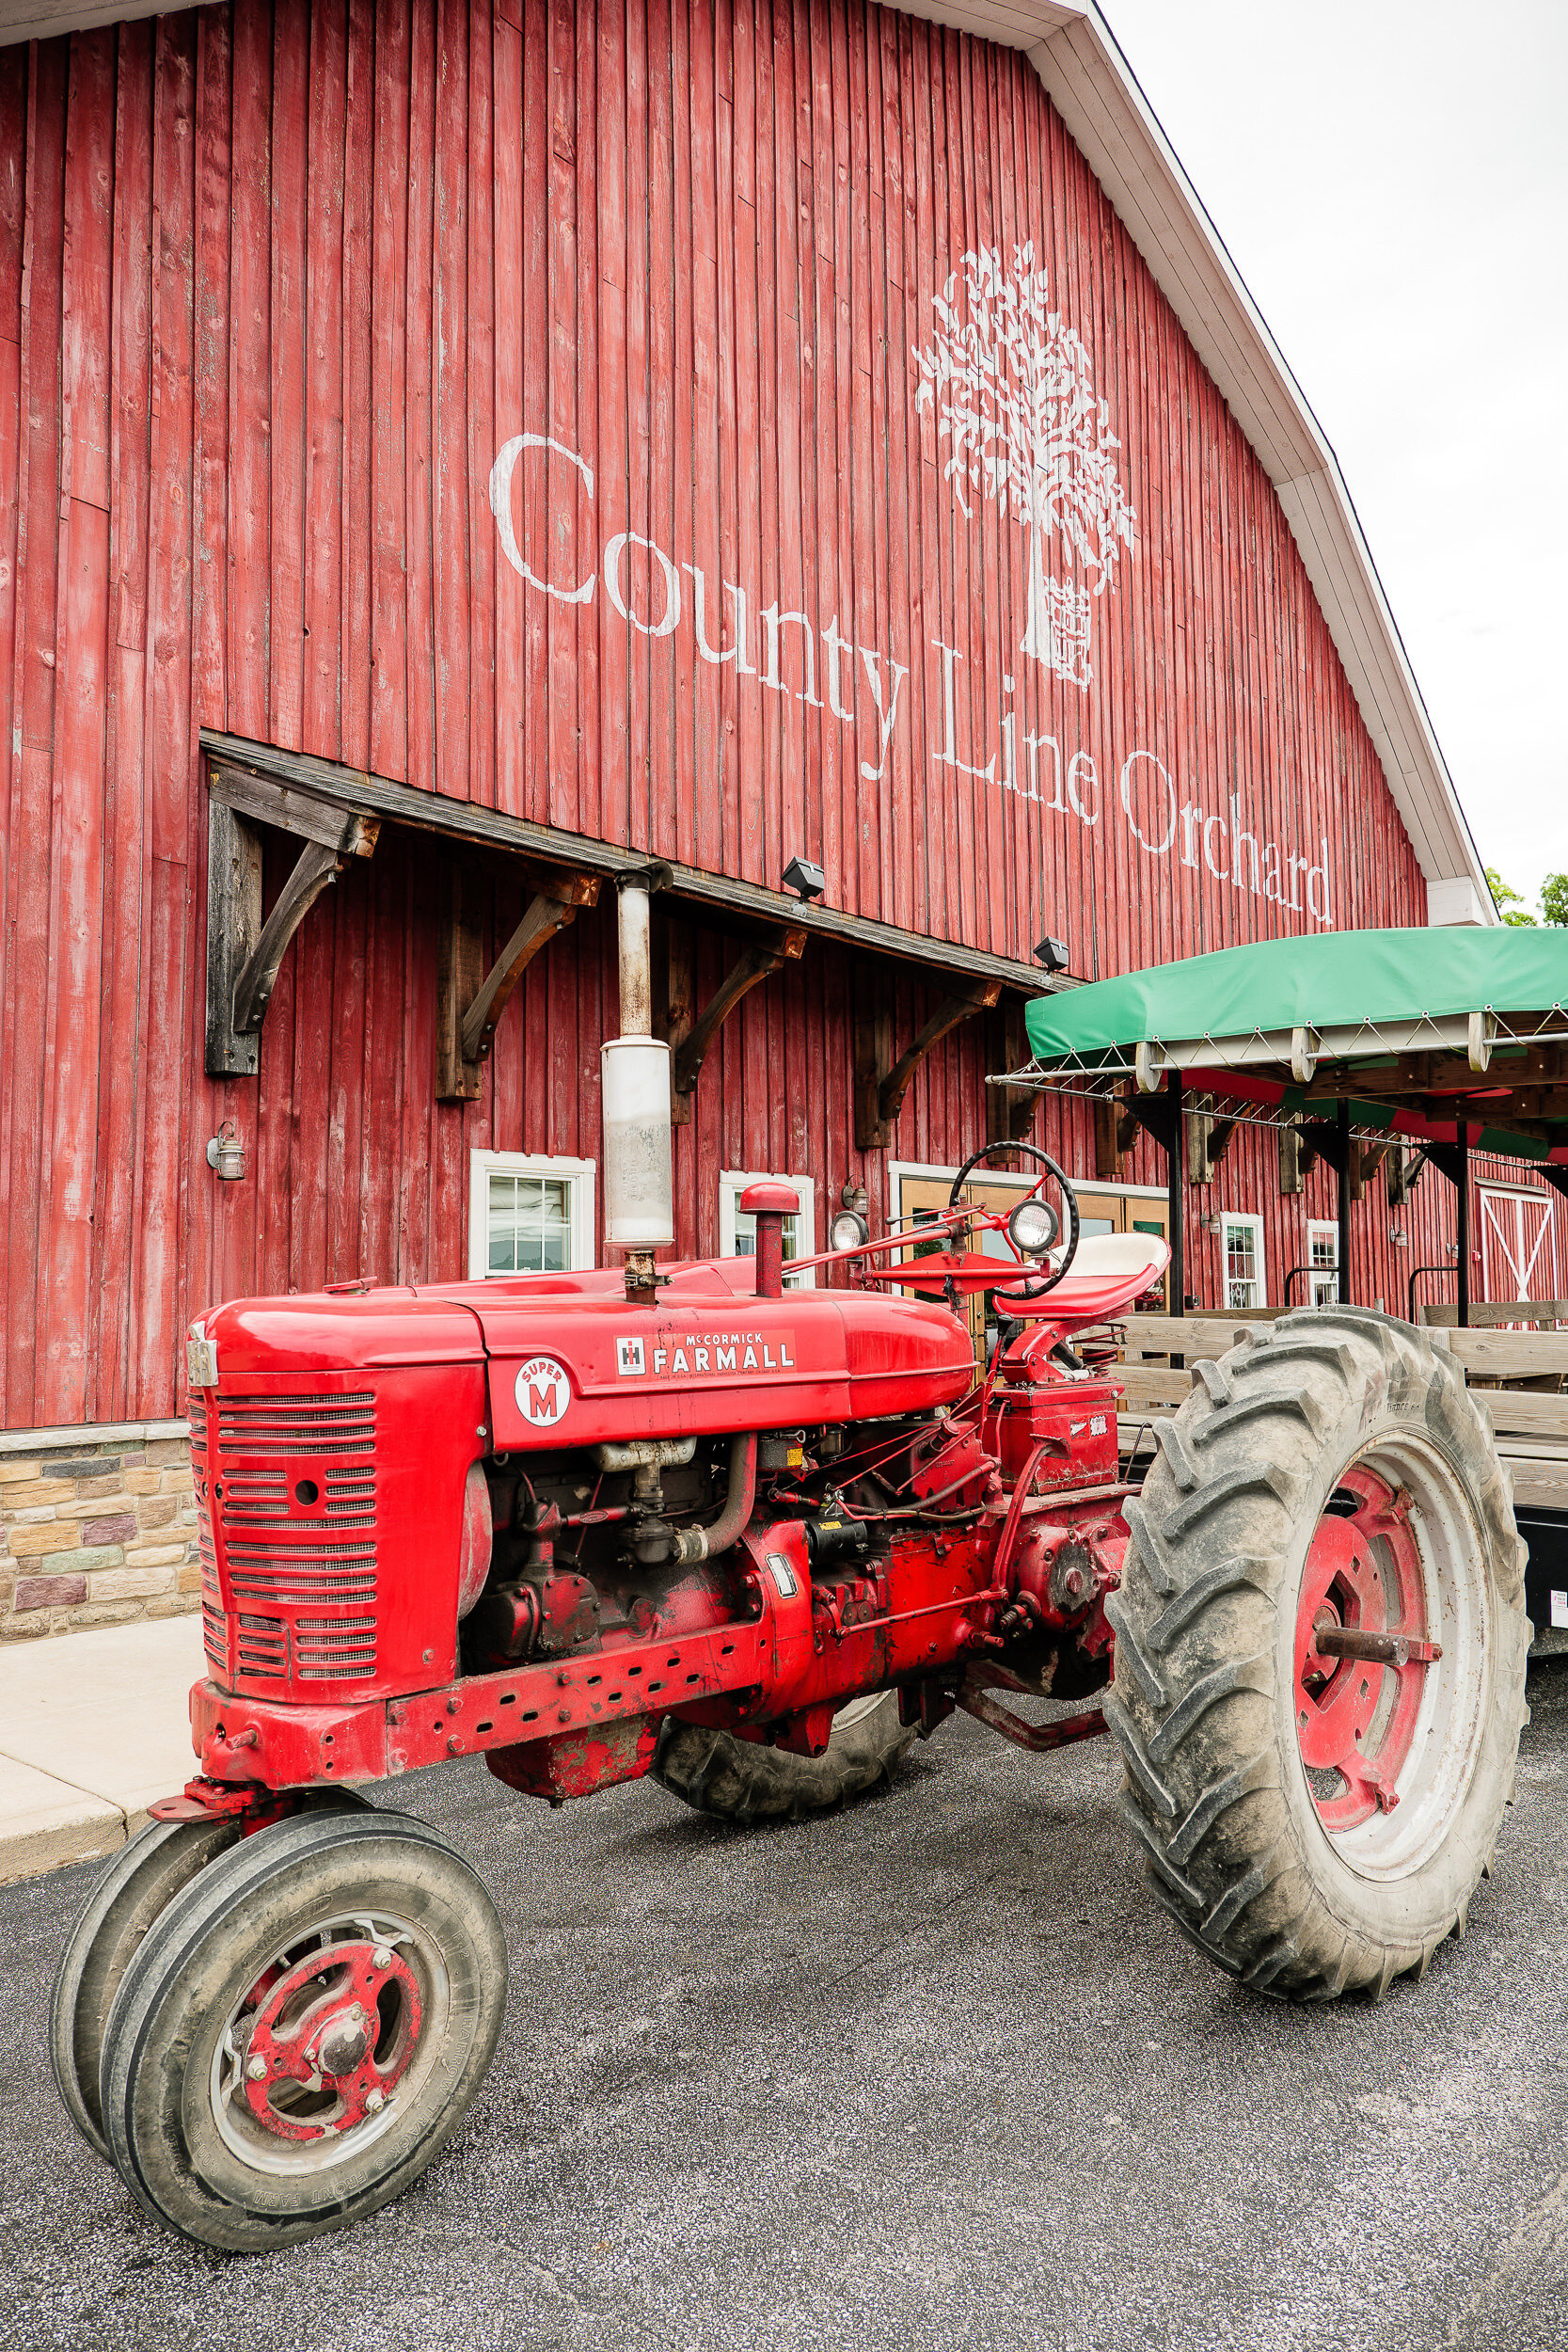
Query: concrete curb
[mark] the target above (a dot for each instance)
(94, 1727)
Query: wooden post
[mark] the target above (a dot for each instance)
(1174, 1193)
(1344, 1195)
(1461, 1181)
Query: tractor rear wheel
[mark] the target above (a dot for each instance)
(736, 1780)
(1319, 1656)
(302, 2030)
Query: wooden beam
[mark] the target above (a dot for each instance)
(1291, 1157)
(1009, 1110)
(266, 801)
(550, 846)
(1107, 1154)
(752, 966)
(315, 867)
(675, 1001)
(873, 1053)
(459, 963)
(1200, 1126)
(233, 926)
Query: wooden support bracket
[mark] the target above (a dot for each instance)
(315, 868)
(243, 954)
(753, 965)
(881, 1084)
(1402, 1171)
(1365, 1161)
(468, 1008)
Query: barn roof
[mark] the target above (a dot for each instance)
(1074, 50)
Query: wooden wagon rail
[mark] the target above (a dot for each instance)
(1531, 1421)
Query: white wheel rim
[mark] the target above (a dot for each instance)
(263, 2152)
(1438, 1771)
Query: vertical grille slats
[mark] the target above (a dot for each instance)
(298, 1518)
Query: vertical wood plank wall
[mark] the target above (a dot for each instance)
(277, 282)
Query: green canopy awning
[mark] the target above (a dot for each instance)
(1357, 991)
(1421, 1030)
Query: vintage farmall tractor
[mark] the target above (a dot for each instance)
(752, 1538)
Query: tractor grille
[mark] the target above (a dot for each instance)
(214, 1631)
(297, 1513)
(262, 1647)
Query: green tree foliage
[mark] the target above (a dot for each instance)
(1509, 903)
(1554, 899)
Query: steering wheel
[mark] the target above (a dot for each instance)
(1048, 1167)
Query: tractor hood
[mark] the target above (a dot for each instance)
(347, 1330)
(571, 1363)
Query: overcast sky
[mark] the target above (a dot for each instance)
(1391, 180)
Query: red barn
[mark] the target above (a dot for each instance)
(449, 454)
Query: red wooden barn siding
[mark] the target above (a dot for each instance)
(276, 284)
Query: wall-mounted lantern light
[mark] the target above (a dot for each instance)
(226, 1152)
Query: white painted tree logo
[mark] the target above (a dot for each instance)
(1011, 390)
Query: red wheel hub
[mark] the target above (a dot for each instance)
(1356, 1715)
(329, 2037)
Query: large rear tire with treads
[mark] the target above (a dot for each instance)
(1317, 1815)
(738, 1780)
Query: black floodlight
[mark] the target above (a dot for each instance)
(1053, 954)
(802, 876)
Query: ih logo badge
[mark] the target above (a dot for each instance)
(630, 1357)
(543, 1391)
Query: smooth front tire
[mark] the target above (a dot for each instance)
(302, 2030)
(1319, 1655)
(132, 1892)
(738, 1780)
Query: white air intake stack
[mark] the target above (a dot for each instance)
(639, 1183)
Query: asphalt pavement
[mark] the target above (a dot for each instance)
(935, 2072)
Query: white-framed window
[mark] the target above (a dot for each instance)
(529, 1213)
(737, 1232)
(1322, 1261)
(1241, 1239)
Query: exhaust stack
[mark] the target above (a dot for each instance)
(639, 1180)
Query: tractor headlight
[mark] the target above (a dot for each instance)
(1032, 1227)
(850, 1229)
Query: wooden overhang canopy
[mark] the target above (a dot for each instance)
(335, 812)
(1453, 1040)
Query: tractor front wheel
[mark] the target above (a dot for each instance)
(1319, 1656)
(738, 1780)
(302, 2030)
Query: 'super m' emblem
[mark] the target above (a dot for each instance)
(542, 1391)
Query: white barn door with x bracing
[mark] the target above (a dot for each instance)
(1518, 1244)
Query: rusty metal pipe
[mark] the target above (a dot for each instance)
(703, 1543)
(1375, 1649)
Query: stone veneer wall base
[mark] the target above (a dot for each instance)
(97, 1527)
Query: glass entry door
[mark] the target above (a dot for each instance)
(1105, 1211)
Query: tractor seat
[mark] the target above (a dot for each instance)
(1108, 1272)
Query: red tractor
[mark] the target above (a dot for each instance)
(754, 1538)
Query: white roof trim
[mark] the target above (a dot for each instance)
(1096, 93)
